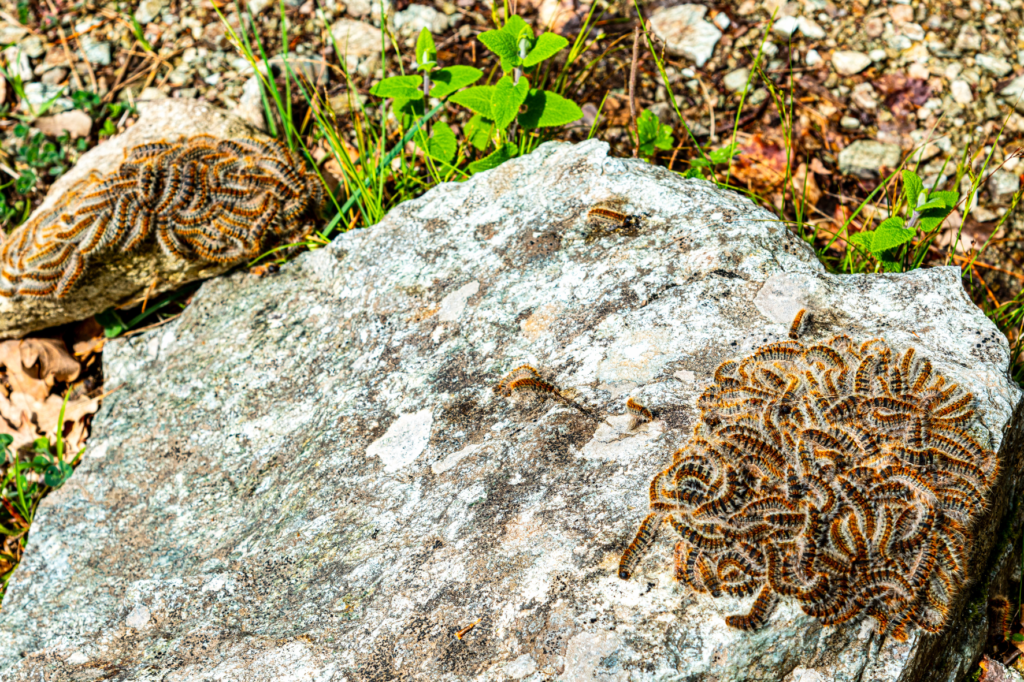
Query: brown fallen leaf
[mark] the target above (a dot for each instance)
(805, 187)
(761, 163)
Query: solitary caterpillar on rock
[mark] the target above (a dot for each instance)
(203, 199)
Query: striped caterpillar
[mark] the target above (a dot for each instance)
(843, 475)
(200, 198)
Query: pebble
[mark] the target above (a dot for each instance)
(849, 63)
(148, 10)
(878, 55)
(961, 92)
(685, 32)
(413, 19)
(874, 27)
(257, 6)
(37, 94)
(76, 123)
(864, 96)
(1014, 88)
(993, 64)
(810, 29)
(358, 8)
(10, 33)
(32, 46)
(721, 20)
(913, 32)
(969, 40)
(735, 81)
(1002, 185)
(360, 43)
(813, 58)
(785, 27)
(18, 64)
(865, 158)
(849, 123)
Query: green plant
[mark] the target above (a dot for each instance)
(652, 134)
(37, 153)
(704, 166)
(889, 243)
(114, 324)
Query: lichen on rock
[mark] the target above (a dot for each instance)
(309, 476)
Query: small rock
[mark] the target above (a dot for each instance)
(918, 71)
(18, 63)
(721, 20)
(898, 42)
(735, 81)
(901, 14)
(925, 153)
(257, 6)
(358, 8)
(849, 63)
(785, 27)
(413, 19)
(76, 123)
(961, 92)
(148, 10)
(866, 158)
(360, 44)
(878, 55)
(810, 29)
(968, 40)
(874, 27)
(150, 94)
(685, 32)
(993, 64)
(96, 51)
(11, 33)
(1002, 185)
(914, 32)
(32, 46)
(849, 123)
(813, 58)
(54, 76)
(1014, 88)
(864, 96)
(37, 94)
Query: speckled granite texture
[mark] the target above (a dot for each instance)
(308, 477)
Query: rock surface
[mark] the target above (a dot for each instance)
(686, 32)
(308, 477)
(126, 276)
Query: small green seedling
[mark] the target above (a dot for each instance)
(703, 168)
(653, 134)
(925, 211)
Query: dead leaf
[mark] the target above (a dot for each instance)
(55, 363)
(761, 163)
(805, 187)
(818, 167)
(87, 338)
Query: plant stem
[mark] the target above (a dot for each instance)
(632, 91)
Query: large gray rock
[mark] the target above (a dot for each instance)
(147, 270)
(308, 477)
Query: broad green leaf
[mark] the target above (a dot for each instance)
(912, 188)
(652, 134)
(426, 53)
(496, 158)
(407, 111)
(722, 154)
(890, 234)
(476, 99)
(399, 87)
(5, 440)
(479, 131)
(932, 218)
(931, 203)
(695, 172)
(442, 145)
(39, 463)
(547, 45)
(111, 323)
(41, 445)
(57, 474)
(546, 109)
(517, 29)
(506, 100)
(891, 265)
(451, 78)
(862, 239)
(503, 45)
(948, 198)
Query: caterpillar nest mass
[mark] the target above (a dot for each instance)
(837, 473)
(202, 198)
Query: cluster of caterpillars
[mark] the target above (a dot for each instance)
(202, 198)
(840, 474)
(525, 382)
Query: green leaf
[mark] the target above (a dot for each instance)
(1017, 637)
(931, 203)
(503, 45)
(111, 323)
(495, 159)
(451, 78)
(949, 199)
(57, 474)
(442, 145)
(426, 53)
(890, 234)
(912, 188)
(695, 172)
(506, 100)
(891, 265)
(932, 218)
(407, 111)
(722, 154)
(403, 87)
(546, 109)
(5, 440)
(517, 29)
(862, 239)
(39, 463)
(479, 131)
(41, 445)
(547, 45)
(652, 134)
(476, 99)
